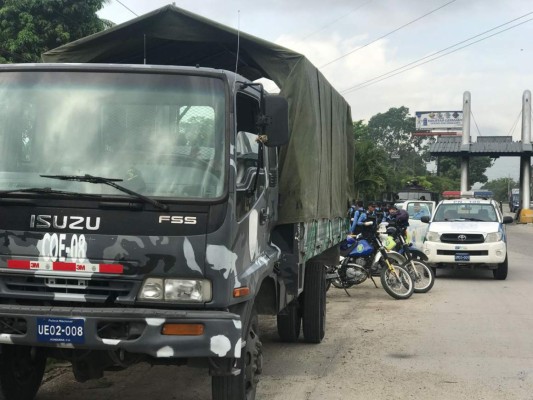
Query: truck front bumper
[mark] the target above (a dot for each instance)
(449, 253)
(221, 335)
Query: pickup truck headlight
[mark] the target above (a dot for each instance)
(176, 290)
(433, 237)
(493, 237)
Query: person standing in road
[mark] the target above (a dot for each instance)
(357, 214)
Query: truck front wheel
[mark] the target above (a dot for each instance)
(314, 299)
(21, 371)
(244, 385)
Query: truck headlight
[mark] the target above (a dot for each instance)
(433, 237)
(176, 290)
(493, 237)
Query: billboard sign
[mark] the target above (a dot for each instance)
(428, 120)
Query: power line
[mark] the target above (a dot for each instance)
(475, 123)
(338, 19)
(127, 8)
(390, 74)
(511, 132)
(387, 34)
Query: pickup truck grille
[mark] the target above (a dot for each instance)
(462, 238)
(454, 252)
(66, 288)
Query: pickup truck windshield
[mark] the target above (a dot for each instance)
(466, 211)
(161, 135)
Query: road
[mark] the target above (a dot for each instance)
(470, 337)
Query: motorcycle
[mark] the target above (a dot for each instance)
(422, 275)
(364, 256)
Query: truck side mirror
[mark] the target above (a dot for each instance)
(425, 219)
(276, 126)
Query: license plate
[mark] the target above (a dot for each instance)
(60, 330)
(462, 257)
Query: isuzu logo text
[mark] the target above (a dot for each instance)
(64, 222)
(177, 219)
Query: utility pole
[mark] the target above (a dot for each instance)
(465, 143)
(525, 161)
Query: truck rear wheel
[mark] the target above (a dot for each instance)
(244, 385)
(314, 303)
(21, 371)
(290, 322)
(500, 273)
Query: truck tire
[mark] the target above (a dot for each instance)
(21, 371)
(500, 273)
(244, 385)
(290, 323)
(314, 303)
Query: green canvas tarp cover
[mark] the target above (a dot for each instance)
(316, 165)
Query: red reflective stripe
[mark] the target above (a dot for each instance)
(111, 268)
(64, 266)
(68, 266)
(18, 264)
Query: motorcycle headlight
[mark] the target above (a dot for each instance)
(493, 237)
(433, 237)
(176, 290)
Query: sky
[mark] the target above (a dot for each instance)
(357, 43)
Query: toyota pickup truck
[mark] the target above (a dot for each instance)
(467, 232)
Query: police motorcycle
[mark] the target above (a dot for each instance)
(396, 240)
(363, 256)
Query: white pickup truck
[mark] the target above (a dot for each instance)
(468, 232)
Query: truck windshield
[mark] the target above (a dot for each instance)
(162, 135)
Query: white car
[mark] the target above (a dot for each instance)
(468, 232)
(416, 230)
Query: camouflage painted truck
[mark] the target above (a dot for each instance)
(152, 212)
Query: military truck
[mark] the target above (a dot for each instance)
(152, 204)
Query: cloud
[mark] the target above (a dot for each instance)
(495, 71)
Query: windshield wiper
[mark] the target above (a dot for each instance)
(46, 190)
(110, 182)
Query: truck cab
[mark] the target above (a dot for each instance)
(136, 205)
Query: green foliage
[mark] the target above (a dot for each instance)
(28, 28)
(450, 167)
(370, 171)
(501, 188)
(388, 156)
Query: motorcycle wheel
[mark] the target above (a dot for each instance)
(423, 277)
(398, 284)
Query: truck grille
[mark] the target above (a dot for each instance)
(462, 238)
(62, 288)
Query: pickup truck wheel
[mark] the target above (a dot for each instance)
(21, 371)
(289, 323)
(314, 303)
(500, 273)
(244, 385)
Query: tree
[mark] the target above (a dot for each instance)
(392, 131)
(29, 28)
(500, 188)
(370, 170)
(450, 167)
